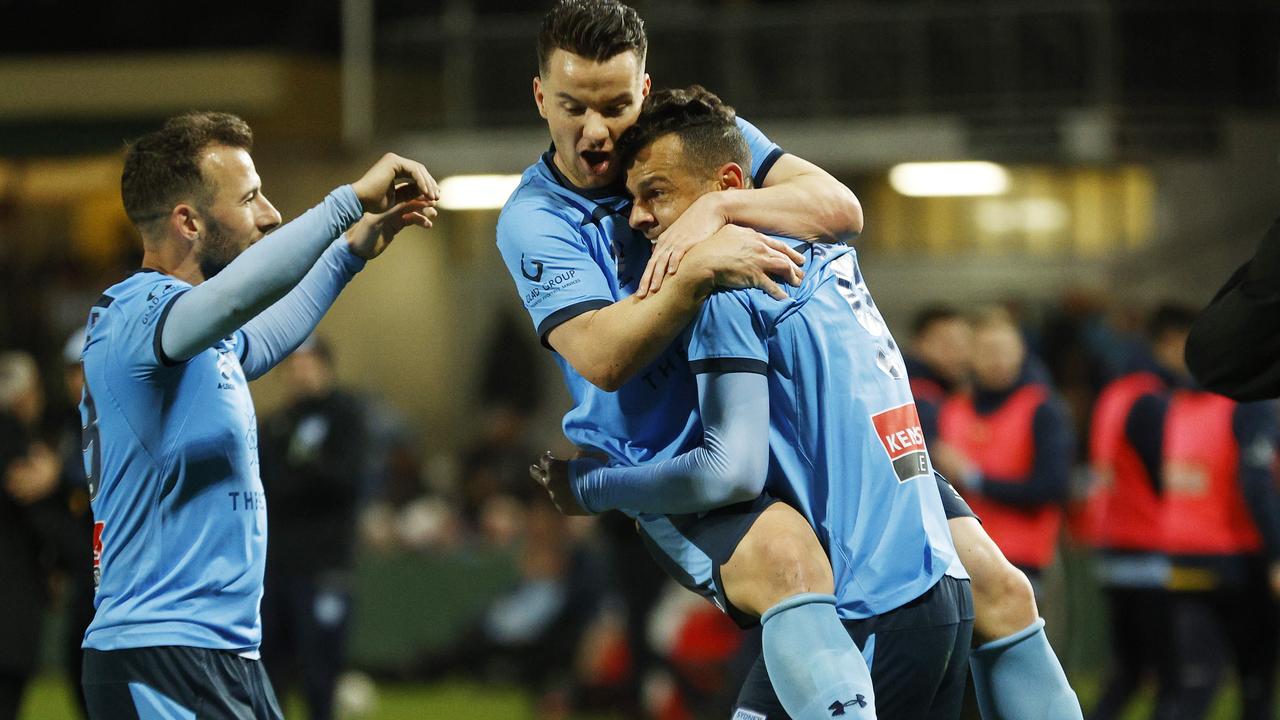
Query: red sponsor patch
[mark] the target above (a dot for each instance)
(899, 430)
(97, 543)
(903, 440)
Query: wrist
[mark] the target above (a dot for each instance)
(695, 279)
(578, 469)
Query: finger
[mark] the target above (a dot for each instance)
(772, 288)
(660, 269)
(781, 266)
(785, 249)
(643, 288)
(535, 472)
(425, 182)
(673, 263)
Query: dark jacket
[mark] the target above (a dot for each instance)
(1234, 348)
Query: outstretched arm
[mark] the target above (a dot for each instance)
(728, 467)
(280, 329)
(262, 274)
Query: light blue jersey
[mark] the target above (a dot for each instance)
(571, 251)
(171, 452)
(846, 448)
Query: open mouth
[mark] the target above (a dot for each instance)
(597, 161)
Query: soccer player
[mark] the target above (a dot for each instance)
(1124, 508)
(809, 391)
(1234, 348)
(170, 438)
(578, 267)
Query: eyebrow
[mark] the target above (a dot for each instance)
(626, 96)
(650, 181)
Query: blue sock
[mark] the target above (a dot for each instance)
(814, 667)
(1019, 677)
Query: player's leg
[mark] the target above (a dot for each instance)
(1199, 656)
(919, 651)
(1128, 634)
(760, 559)
(1249, 615)
(322, 640)
(780, 572)
(1015, 672)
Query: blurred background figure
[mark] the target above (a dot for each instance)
(1007, 445)
(1221, 528)
(938, 360)
(314, 454)
(1124, 508)
(27, 512)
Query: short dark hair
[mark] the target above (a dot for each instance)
(932, 315)
(162, 168)
(593, 29)
(1169, 317)
(707, 127)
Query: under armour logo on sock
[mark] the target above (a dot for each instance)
(837, 707)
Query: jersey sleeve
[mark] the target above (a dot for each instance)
(727, 336)
(764, 152)
(139, 319)
(554, 272)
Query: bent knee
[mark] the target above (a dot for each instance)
(778, 558)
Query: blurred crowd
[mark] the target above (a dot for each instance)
(1075, 425)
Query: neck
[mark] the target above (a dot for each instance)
(171, 259)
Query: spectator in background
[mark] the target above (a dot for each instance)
(313, 461)
(532, 632)
(1221, 528)
(1008, 446)
(939, 361)
(30, 477)
(1124, 512)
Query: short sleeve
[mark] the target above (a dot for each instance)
(554, 271)
(141, 316)
(764, 152)
(727, 336)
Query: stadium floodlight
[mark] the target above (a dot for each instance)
(476, 192)
(949, 179)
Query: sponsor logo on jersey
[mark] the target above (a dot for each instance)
(97, 552)
(551, 286)
(900, 434)
(745, 714)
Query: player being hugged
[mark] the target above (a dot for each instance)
(170, 436)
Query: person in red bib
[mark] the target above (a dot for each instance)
(1124, 512)
(1008, 445)
(1220, 519)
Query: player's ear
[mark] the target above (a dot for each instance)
(731, 177)
(538, 98)
(645, 85)
(186, 222)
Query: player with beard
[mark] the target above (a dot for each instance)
(170, 437)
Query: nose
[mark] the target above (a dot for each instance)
(640, 219)
(268, 216)
(595, 129)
